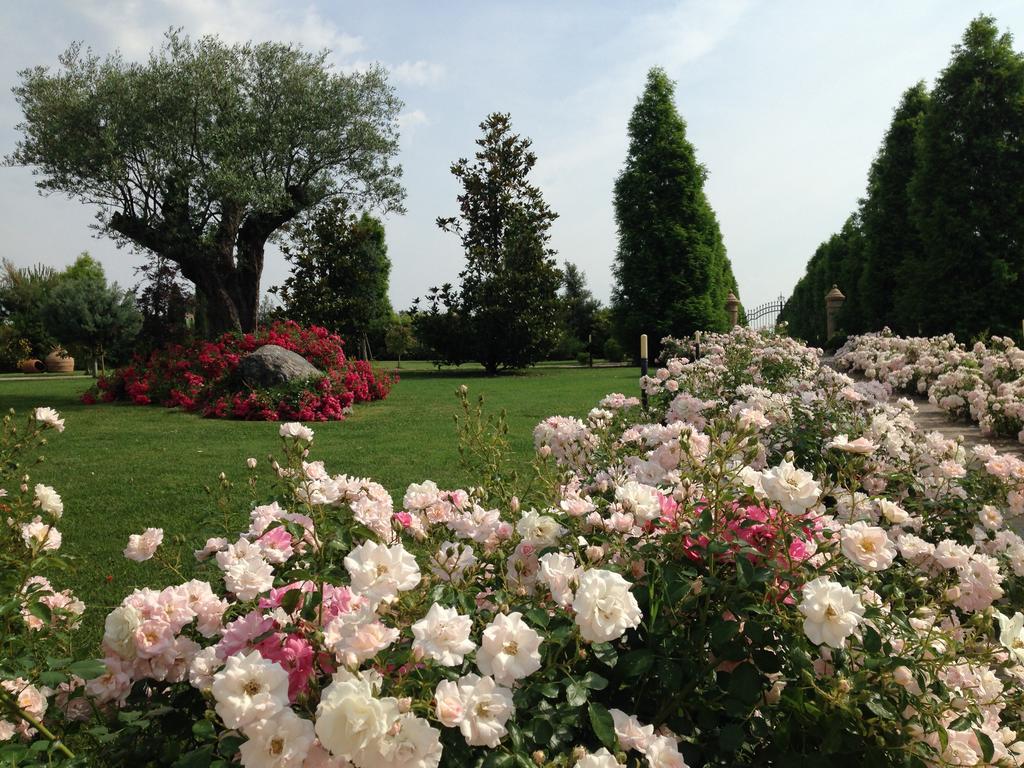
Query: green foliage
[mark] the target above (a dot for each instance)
(399, 338)
(672, 273)
(505, 312)
(968, 200)
(935, 244)
(339, 274)
(81, 309)
(613, 352)
(165, 302)
(205, 150)
(23, 292)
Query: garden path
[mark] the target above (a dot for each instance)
(931, 418)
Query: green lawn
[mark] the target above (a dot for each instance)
(122, 468)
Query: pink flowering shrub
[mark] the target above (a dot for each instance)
(768, 565)
(202, 378)
(984, 384)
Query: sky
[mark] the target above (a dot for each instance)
(786, 102)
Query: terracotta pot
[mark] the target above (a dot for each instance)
(31, 365)
(59, 361)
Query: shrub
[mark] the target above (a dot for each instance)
(203, 378)
(613, 351)
(769, 565)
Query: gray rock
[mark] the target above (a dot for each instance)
(271, 366)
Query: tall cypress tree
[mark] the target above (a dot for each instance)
(892, 246)
(671, 271)
(967, 193)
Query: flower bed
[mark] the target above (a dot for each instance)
(203, 378)
(770, 566)
(984, 384)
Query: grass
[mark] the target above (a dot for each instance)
(122, 468)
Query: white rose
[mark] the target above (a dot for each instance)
(443, 635)
(604, 606)
(48, 501)
(350, 719)
(282, 741)
(639, 499)
(892, 511)
(379, 573)
(49, 417)
(296, 430)
(249, 689)
(539, 530)
(410, 743)
(793, 489)
(481, 712)
(143, 546)
(509, 649)
(119, 630)
(600, 759)
(868, 546)
(559, 573)
(831, 612)
(631, 734)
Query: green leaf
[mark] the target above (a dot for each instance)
(731, 737)
(603, 724)
(636, 663)
(203, 730)
(988, 749)
(87, 669)
(539, 617)
(291, 600)
(198, 758)
(576, 694)
(872, 640)
(594, 681)
(605, 653)
(499, 760)
(41, 612)
(746, 683)
(542, 731)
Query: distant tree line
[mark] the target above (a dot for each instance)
(937, 243)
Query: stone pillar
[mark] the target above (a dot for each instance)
(732, 306)
(833, 303)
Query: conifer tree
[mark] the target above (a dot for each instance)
(967, 192)
(892, 246)
(672, 274)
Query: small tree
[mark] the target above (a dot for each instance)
(165, 302)
(399, 336)
(579, 307)
(340, 271)
(505, 313)
(89, 312)
(23, 292)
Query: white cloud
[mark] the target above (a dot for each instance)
(417, 72)
(413, 118)
(135, 27)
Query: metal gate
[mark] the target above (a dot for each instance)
(765, 316)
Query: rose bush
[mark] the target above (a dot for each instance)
(203, 378)
(984, 384)
(769, 566)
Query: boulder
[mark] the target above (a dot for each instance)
(271, 366)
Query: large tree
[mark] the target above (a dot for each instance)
(204, 151)
(340, 271)
(968, 191)
(893, 249)
(504, 313)
(672, 274)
